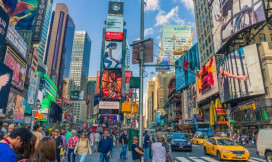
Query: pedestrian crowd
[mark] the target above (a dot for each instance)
(244, 139)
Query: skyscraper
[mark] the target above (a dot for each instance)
(168, 43)
(79, 67)
(60, 41)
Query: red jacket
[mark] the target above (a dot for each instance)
(71, 142)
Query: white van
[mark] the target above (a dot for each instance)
(264, 144)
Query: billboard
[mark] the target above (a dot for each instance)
(3, 28)
(39, 21)
(239, 74)
(5, 82)
(162, 60)
(18, 66)
(190, 61)
(16, 41)
(148, 51)
(191, 98)
(229, 17)
(12, 99)
(128, 75)
(111, 84)
(31, 94)
(109, 105)
(207, 84)
(19, 110)
(113, 54)
(115, 24)
(98, 83)
(116, 8)
(74, 95)
(21, 12)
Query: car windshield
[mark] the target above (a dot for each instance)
(181, 136)
(200, 137)
(226, 142)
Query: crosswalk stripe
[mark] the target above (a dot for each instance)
(196, 159)
(209, 159)
(182, 159)
(257, 159)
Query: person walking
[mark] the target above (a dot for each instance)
(254, 139)
(59, 144)
(37, 133)
(83, 147)
(112, 136)
(14, 141)
(63, 148)
(10, 128)
(136, 152)
(105, 147)
(159, 149)
(46, 150)
(97, 138)
(146, 146)
(92, 138)
(68, 135)
(117, 138)
(71, 146)
(27, 151)
(124, 141)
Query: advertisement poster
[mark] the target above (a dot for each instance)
(74, 95)
(190, 61)
(39, 20)
(31, 94)
(19, 110)
(114, 28)
(5, 82)
(163, 60)
(128, 75)
(207, 84)
(111, 84)
(229, 17)
(3, 28)
(113, 55)
(191, 98)
(21, 13)
(116, 8)
(10, 107)
(97, 82)
(18, 66)
(239, 74)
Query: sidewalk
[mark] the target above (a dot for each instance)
(115, 156)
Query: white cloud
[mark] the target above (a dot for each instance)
(148, 31)
(189, 4)
(152, 5)
(165, 18)
(158, 37)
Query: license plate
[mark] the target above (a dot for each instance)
(239, 156)
(180, 146)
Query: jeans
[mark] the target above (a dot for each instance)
(104, 156)
(124, 152)
(109, 62)
(71, 150)
(146, 153)
(82, 158)
(96, 146)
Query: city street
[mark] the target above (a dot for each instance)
(196, 156)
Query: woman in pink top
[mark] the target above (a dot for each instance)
(92, 138)
(71, 145)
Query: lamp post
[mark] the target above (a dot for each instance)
(228, 116)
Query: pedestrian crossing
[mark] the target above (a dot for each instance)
(210, 159)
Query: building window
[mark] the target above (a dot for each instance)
(209, 39)
(271, 37)
(270, 27)
(262, 38)
(251, 36)
(206, 43)
(210, 49)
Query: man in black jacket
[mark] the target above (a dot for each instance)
(124, 141)
(105, 147)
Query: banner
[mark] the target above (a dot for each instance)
(111, 84)
(113, 55)
(109, 105)
(39, 20)
(163, 60)
(74, 95)
(190, 61)
(230, 17)
(239, 74)
(31, 94)
(19, 110)
(207, 84)
(128, 75)
(191, 97)
(10, 107)
(114, 28)
(3, 28)
(18, 66)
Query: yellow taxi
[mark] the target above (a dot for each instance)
(225, 149)
(199, 140)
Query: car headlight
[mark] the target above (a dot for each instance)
(225, 151)
(189, 142)
(173, 143)
(247, 151)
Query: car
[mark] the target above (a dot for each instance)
(181, 141)
(225, 149)
(264, 144)
(198, 140)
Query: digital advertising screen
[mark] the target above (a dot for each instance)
(163, 60)
(207, 84)
(239, 74)
(190, 61)
(19, 110)
(113, 55)
(12, 99)
(111, 84)
(229, 17)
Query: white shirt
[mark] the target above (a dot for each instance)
(159, 152)
(97, 137)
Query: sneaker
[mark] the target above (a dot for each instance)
(125, 158)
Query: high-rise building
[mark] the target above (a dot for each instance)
(79, 110)
(60, 41)
(169, 43)
(91, 90)
(79, 67)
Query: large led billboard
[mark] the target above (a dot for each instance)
(229, 17)
(21, 12)
(207, 84)
(163, 60)
(113, 55)
(190, 61)
(19, 110)
(10, 107)
(111, 84)
(239, 74)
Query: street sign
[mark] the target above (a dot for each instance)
(148, 51)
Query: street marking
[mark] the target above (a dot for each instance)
(182, 159)
(258, 159)
(209, 159)
(196, 159)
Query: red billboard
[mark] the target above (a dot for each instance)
(111, 84)
(128, 75)
(97, 82)
(114, 36)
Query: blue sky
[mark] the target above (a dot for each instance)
(89, 15)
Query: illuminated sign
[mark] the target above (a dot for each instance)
(246, 107)
(114, 35)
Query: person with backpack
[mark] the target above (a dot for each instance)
(159, 150)
(137, 152)
(83, 147)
